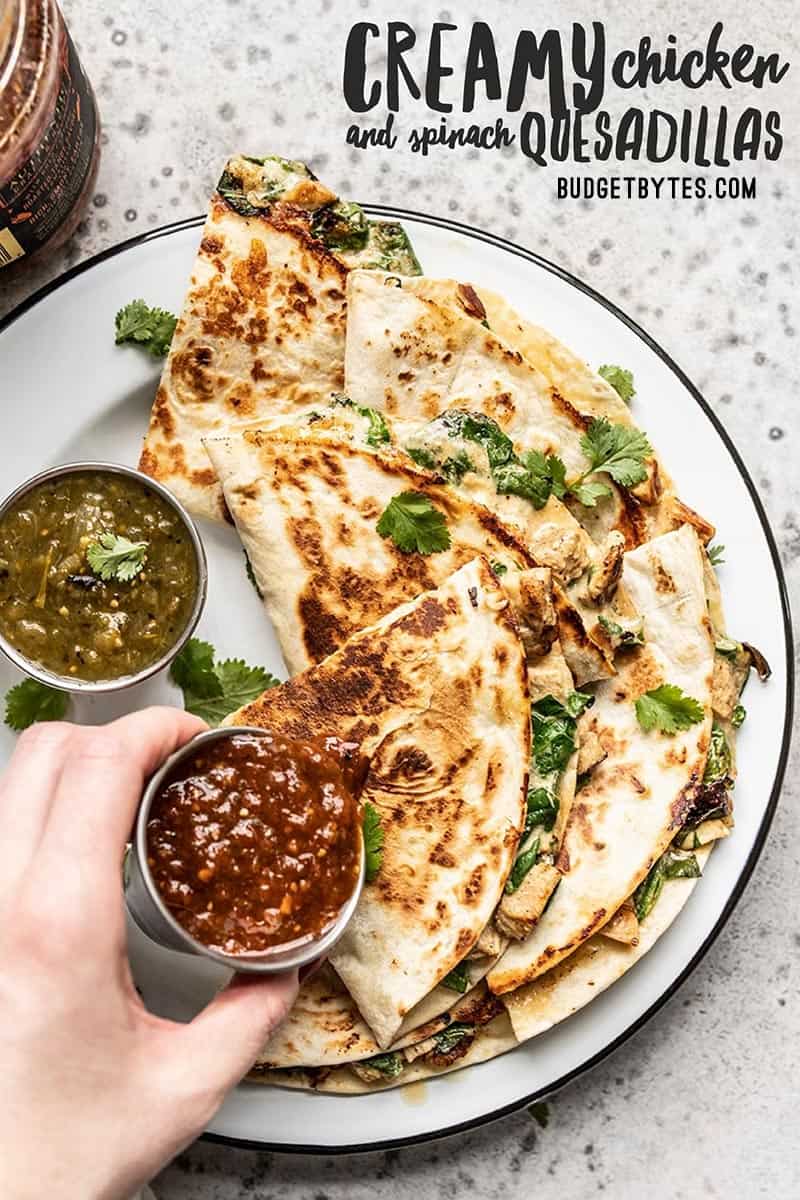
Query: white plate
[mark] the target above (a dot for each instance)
(69, 393)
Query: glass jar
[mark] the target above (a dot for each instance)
(49, 130)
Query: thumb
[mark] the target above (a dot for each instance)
(224, 1040)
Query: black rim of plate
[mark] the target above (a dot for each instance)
(758, 845)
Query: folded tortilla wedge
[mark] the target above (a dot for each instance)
(307, 502)
(416, 357)
(436, 692)
(263, 323)
(637, 799)
(530, 1011)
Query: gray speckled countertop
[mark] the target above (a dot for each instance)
(699, 1102)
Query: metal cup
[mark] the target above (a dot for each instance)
(151, 914)
(66, 683)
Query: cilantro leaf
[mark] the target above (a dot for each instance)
(413, 524)
(214, 690)
(715, 554)
(668, 709)
(30, 701)
(618, 450)
(524, 861)
(534, 476)
(151, 328)
(588, 494)
(373, 840)
(115, 557)
(620, 379)
(239, 684)
(457, 979)
(669, 866)
(193, 669)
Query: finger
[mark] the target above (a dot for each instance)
(101, 782)
(221, 1044)
(27, 789)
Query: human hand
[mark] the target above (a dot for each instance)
(98, 1093)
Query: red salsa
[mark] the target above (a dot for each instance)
(254, 840)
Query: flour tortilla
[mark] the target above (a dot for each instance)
(436, 693)
(307, 503)
(416, 357)
(491, 1040)
(261, 331)
(325, 1028)
(594, 966)
(532, 1009)
(636, 800)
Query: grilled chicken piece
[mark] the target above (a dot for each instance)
(590, 748)
(531, 594)
(730, 676)
(419, 1050)
(519, 912)
(606, 571)
(623, 926)
(488, 945)
(563, 550)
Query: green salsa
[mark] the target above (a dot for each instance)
(98, 576)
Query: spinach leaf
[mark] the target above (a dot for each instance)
(524, 861)
(457, 979)
(543, 806)
(555, 729)
(669, 866)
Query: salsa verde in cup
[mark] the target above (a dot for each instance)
(102, 575)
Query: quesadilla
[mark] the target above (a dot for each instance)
(412, 355)
(466, 1046)
(594, 966)
(325, 1028)
(436, 693)
(639, 796)
(308, 505)
(263, 323)
(529, 1011)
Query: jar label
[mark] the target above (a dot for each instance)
(41, 194)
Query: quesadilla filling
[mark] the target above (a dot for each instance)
(254, 840)
(251, 185)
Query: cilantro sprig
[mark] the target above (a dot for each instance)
(150, 328)
(618, 451)
(414, 524)
(115, 557)
(30, 701)
(716, 554)
(668, 709)
(620, 379)
(373, 840)
(213, 690)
